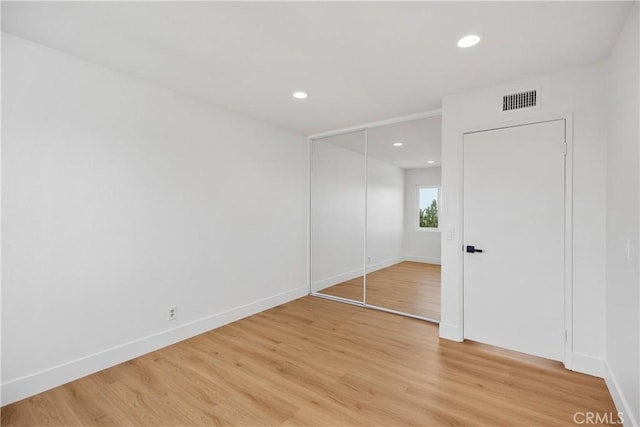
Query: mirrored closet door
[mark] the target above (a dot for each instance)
(375, 201)
(338, 194)
(403, 238)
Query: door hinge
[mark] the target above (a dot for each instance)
(565, 148)
(565, 335)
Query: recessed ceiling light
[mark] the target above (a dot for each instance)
(397, 144)
(300, 95)
(431, 161)
(468, 41)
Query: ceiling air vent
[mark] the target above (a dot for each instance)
(515, 101)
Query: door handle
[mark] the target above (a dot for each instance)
(472, 249)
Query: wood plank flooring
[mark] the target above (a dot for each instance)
(351, 289)
(322, 363)
(409, 287)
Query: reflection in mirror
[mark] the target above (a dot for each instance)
(338, 215)
(403, 200)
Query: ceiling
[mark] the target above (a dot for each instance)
(359, 61)
(420, 143)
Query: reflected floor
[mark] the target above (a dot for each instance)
(409, 287)
(351, 289)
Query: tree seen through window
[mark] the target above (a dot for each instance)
(428, 207)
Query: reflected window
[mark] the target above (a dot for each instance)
(428, 206)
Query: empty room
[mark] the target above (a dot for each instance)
(320, 213)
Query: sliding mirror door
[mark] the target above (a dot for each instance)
(338, 194)
(403, 199)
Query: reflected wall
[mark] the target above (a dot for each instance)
(338, 192)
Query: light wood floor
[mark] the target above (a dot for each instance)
(320, 362)
(409, 287)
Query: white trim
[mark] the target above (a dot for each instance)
(416, 207)
(1, 212)
(568, 278)
(29, 385)
(365, 249)
(392, 121)
(450, 332)
(383, 264)
(339, 299)
(309, 213)
(568, 242)
(587, 364)
(352, 274)
(422, 259)
(619, 399)
(334, 280)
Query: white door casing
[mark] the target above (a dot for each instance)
(514, 211)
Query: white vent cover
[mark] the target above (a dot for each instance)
(519, 100)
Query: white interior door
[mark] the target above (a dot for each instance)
(514, 213)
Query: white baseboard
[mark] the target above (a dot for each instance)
(383, 264)
(586, 364)
(343, 277)
(334, 280)
(47, 379)
(424, 259)
(622, 404)
(451, 332)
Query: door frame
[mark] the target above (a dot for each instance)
(568, 220)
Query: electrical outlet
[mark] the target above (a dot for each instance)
(172, 312)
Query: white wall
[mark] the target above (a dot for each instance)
(420, 246)
(623, 279)
(338, 214)
(120, 199)
(385, 214)
(582, 92)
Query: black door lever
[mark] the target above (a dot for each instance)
(472, 249)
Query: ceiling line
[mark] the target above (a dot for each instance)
(392, 121)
